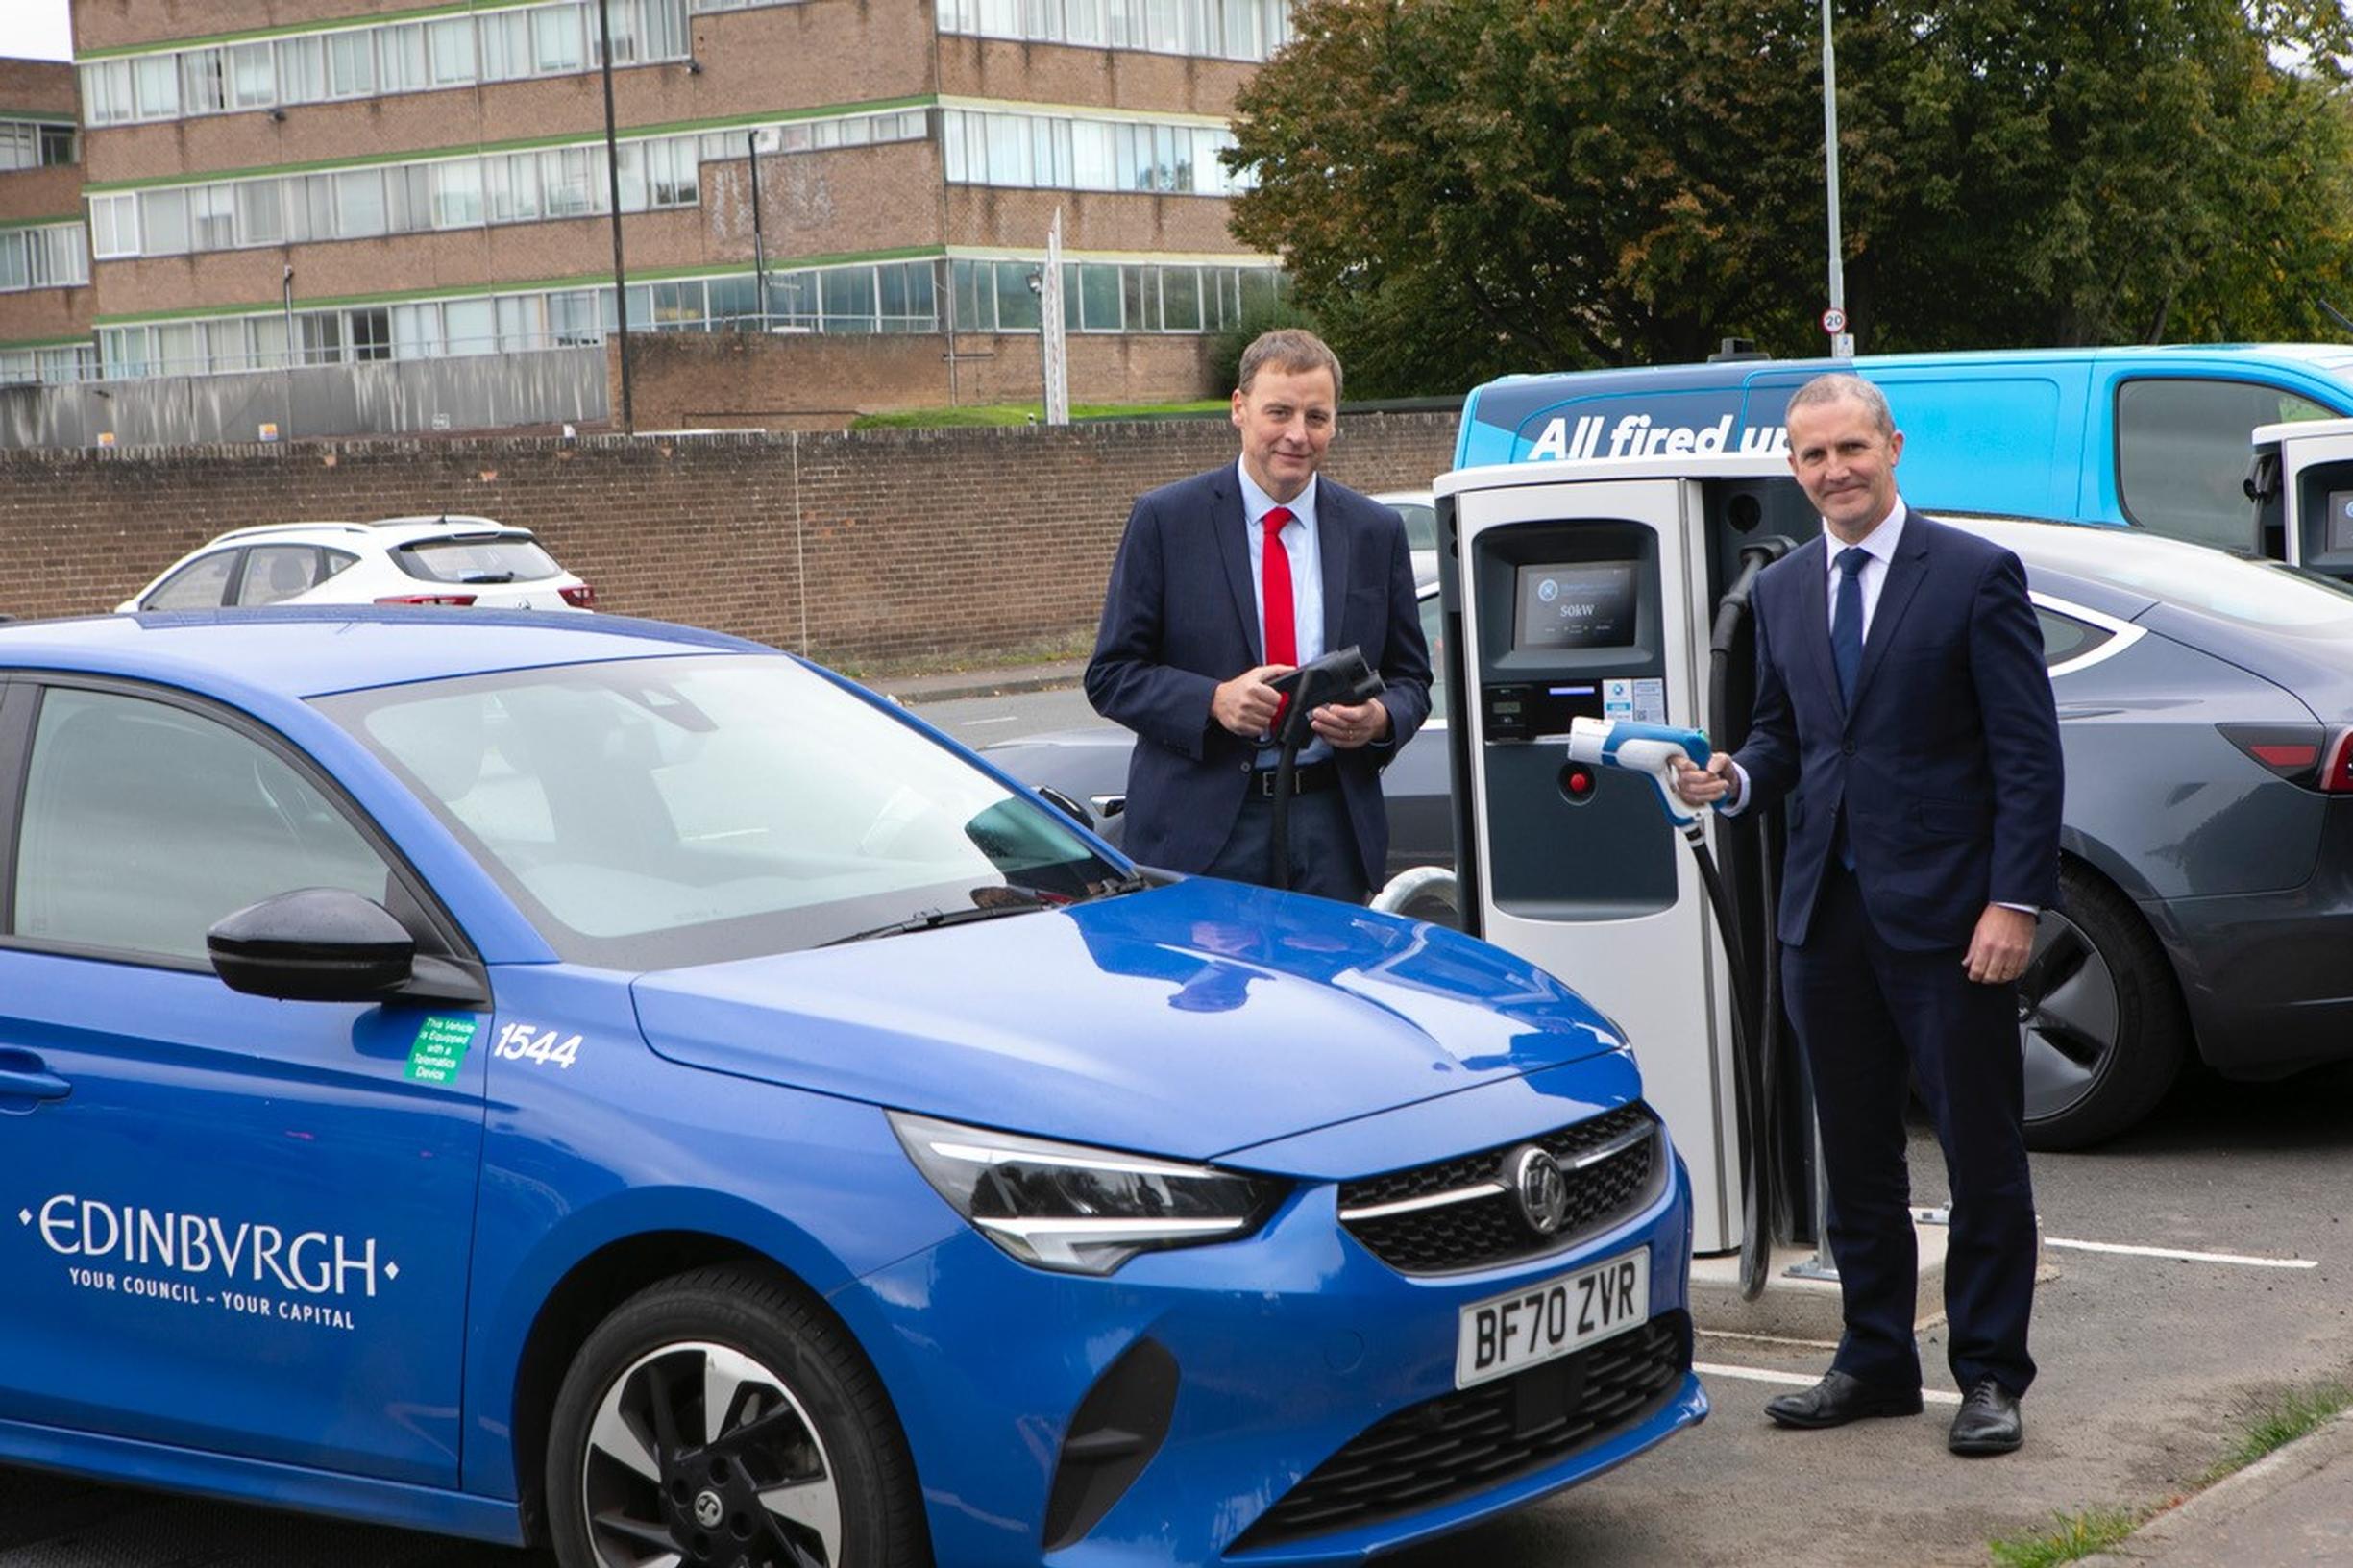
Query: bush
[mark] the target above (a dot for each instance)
(1226, 367)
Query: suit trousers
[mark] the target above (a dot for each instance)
(1323, 856)
(1865, 1013)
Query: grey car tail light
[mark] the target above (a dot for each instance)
(2315, 757)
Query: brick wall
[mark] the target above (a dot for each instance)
(870, 550)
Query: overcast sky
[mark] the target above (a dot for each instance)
(35, 30)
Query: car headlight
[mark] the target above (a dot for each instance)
(1082, 1210)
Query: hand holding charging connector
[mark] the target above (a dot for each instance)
(1342, 679)
(1652, 751)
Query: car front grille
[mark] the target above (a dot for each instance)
(1459, 1443)
(1463, 1214)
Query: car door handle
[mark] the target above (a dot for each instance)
(26, 1077)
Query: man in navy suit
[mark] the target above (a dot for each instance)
(1230, 578)
(1904, 713)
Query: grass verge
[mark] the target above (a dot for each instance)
(2076, 1536)
(2071, 1535)
(2294, 1413)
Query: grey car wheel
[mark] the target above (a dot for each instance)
(2100, 1020)
(721, 1418)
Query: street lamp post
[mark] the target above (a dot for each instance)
(1045, 372)
(285, 370)
(759, 246)
(1841, 338)
(612, 184)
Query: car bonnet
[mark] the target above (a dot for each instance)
(1188, 1020)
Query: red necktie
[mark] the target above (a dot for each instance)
(1281, 635)
(1275, 587)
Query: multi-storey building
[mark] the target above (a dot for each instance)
(346, 181)
(45, 297)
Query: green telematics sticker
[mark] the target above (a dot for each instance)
(441, 1046)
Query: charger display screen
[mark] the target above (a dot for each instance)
(1576, 605)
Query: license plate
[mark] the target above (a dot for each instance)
(1550, 1319)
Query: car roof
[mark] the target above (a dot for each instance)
(389, 532)
(304, 652)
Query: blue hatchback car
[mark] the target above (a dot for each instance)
(608, 1085)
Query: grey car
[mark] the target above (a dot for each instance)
(2206, 707)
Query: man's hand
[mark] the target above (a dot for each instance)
(1348, 725)
(1997, 949)
(1704, 786)
(1246, 704)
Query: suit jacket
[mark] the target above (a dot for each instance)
(1948, 766)
(1180, 617)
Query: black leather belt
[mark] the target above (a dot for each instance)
(1305, 780)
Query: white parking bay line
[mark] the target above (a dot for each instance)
(1712, 1369)
(2241, 1259)
(994, 718)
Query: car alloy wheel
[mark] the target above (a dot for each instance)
(699, 1453)
(2099, 1018)
(721, 1419)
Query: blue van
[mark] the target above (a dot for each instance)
(2153, 437)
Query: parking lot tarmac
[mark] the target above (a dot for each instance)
(2194, 1271)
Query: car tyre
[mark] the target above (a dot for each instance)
(2102, 1024)
(797, 1463)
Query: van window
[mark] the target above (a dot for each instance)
(2182, 453)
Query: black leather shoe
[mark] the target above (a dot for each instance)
(1988, 1423)
(1838, 1399)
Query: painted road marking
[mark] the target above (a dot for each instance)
(2241, 1259)
(1712, 1369)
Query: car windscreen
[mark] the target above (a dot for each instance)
(514, 557)
(653, 813)
(1421, 524)
(2197, 577)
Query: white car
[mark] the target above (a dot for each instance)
(449, 559)
(1420, 510)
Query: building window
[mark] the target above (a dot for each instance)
(1002, 147)
(44, 255)
(35, 144)
(857, 297)
(1249, 30)
(656, 173)
(490, 45)
(55, 366)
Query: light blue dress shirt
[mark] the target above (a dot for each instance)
(1303, 543)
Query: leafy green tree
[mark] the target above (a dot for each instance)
(1464, 188)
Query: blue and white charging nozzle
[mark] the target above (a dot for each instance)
(1649, 749)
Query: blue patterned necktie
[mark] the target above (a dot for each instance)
(1846, 621)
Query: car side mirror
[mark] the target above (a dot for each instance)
(328, 944)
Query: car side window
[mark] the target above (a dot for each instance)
(145, 823)
(2065, 639)
(2181, 451)
(338, 561)
(278, 572)
(202, 584)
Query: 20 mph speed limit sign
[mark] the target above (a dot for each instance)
(1835, 321)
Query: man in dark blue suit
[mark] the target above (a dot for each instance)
(1230, 578)
(1903, 710)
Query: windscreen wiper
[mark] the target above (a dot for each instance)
(931, 919)
(1114, 887)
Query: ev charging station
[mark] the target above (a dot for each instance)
(2301, 481)
(1594, 590)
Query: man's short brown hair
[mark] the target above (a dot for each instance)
(1291, 348)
